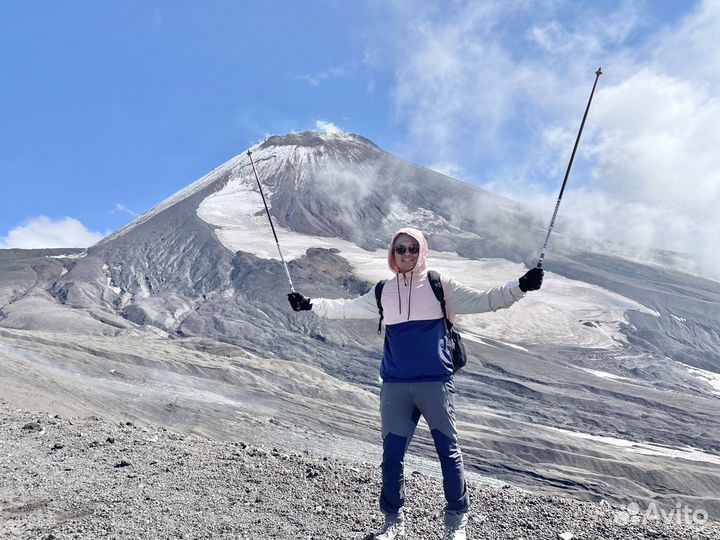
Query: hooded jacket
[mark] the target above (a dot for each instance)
(416, 345)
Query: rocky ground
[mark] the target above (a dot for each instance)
(87, 478)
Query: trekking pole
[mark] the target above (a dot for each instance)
(270, 219)
(567, 172)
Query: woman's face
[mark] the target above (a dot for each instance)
(406, 253)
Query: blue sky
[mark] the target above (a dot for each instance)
(110, 107)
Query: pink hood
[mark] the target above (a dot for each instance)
(420, 266)
(409, 297)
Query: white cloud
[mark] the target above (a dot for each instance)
(447, 168)
(447, 81)
(332, 72)
(688, 49)
(327, 127)
(43, 232)
(122, 208)
(658, 143)
(500, 88)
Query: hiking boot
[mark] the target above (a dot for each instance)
(455, 525)
(394, 527)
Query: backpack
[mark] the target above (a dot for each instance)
(457, 348)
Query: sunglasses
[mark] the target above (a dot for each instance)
(412, 250)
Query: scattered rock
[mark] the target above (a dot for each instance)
(57, 446)
(32, 427)
(205, 494)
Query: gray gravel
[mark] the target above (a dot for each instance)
(87, 478)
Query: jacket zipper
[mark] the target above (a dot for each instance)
(405, 283)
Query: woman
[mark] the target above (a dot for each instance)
(417, 369)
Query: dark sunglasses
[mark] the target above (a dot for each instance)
(412, 250)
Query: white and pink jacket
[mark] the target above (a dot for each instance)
(416, 344)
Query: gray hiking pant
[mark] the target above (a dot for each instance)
(401, 405)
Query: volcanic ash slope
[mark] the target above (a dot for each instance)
(86, 478)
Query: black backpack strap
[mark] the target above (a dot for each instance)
(378, 296)
(436, 284)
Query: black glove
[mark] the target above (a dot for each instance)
(299, 302)
(532, 280)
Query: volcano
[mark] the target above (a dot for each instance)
(604, 385)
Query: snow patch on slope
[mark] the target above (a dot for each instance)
(69, 255)
(709, 377)
(605, 375)
(109, 280)
(649, 449)
(556, 315)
